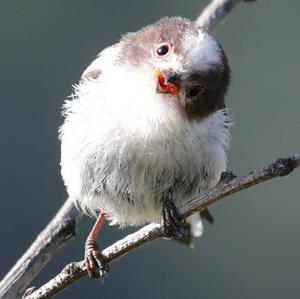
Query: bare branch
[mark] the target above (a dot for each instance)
(215, 12)
(74, 271)
(46, 245)
(62, 227)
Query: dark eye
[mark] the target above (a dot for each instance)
(195, 91)
(163, 49)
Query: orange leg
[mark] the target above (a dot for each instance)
(93, 257)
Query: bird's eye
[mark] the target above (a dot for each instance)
(195, 91)
(163, 49)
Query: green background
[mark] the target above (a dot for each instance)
(252, 250)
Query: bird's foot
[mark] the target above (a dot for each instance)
(96, 266)
(172, 226)
(195, 227)
(226, 177)
(187, 238)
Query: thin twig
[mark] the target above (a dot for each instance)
(76, 270)
(51, 239)
(215, 12)
(47, 244)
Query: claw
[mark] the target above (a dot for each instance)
(96, 265)
(172, 226)
(226, 177)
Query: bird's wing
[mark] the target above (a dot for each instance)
(103, 61)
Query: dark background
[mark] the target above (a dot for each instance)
(252, 250)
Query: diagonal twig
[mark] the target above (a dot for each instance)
(215, 12)
(76, 270)
(47, 244)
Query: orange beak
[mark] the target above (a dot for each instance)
(167, 82)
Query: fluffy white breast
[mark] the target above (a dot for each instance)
(120, 114)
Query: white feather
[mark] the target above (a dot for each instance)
(202, 50)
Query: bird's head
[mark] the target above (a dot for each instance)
(185, 63)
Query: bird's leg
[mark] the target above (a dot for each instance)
(172, 226)
(93, 257)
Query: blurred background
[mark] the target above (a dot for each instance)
(252, 250)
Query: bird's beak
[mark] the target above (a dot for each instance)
(168, 81)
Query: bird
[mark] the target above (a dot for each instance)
(145, 129)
